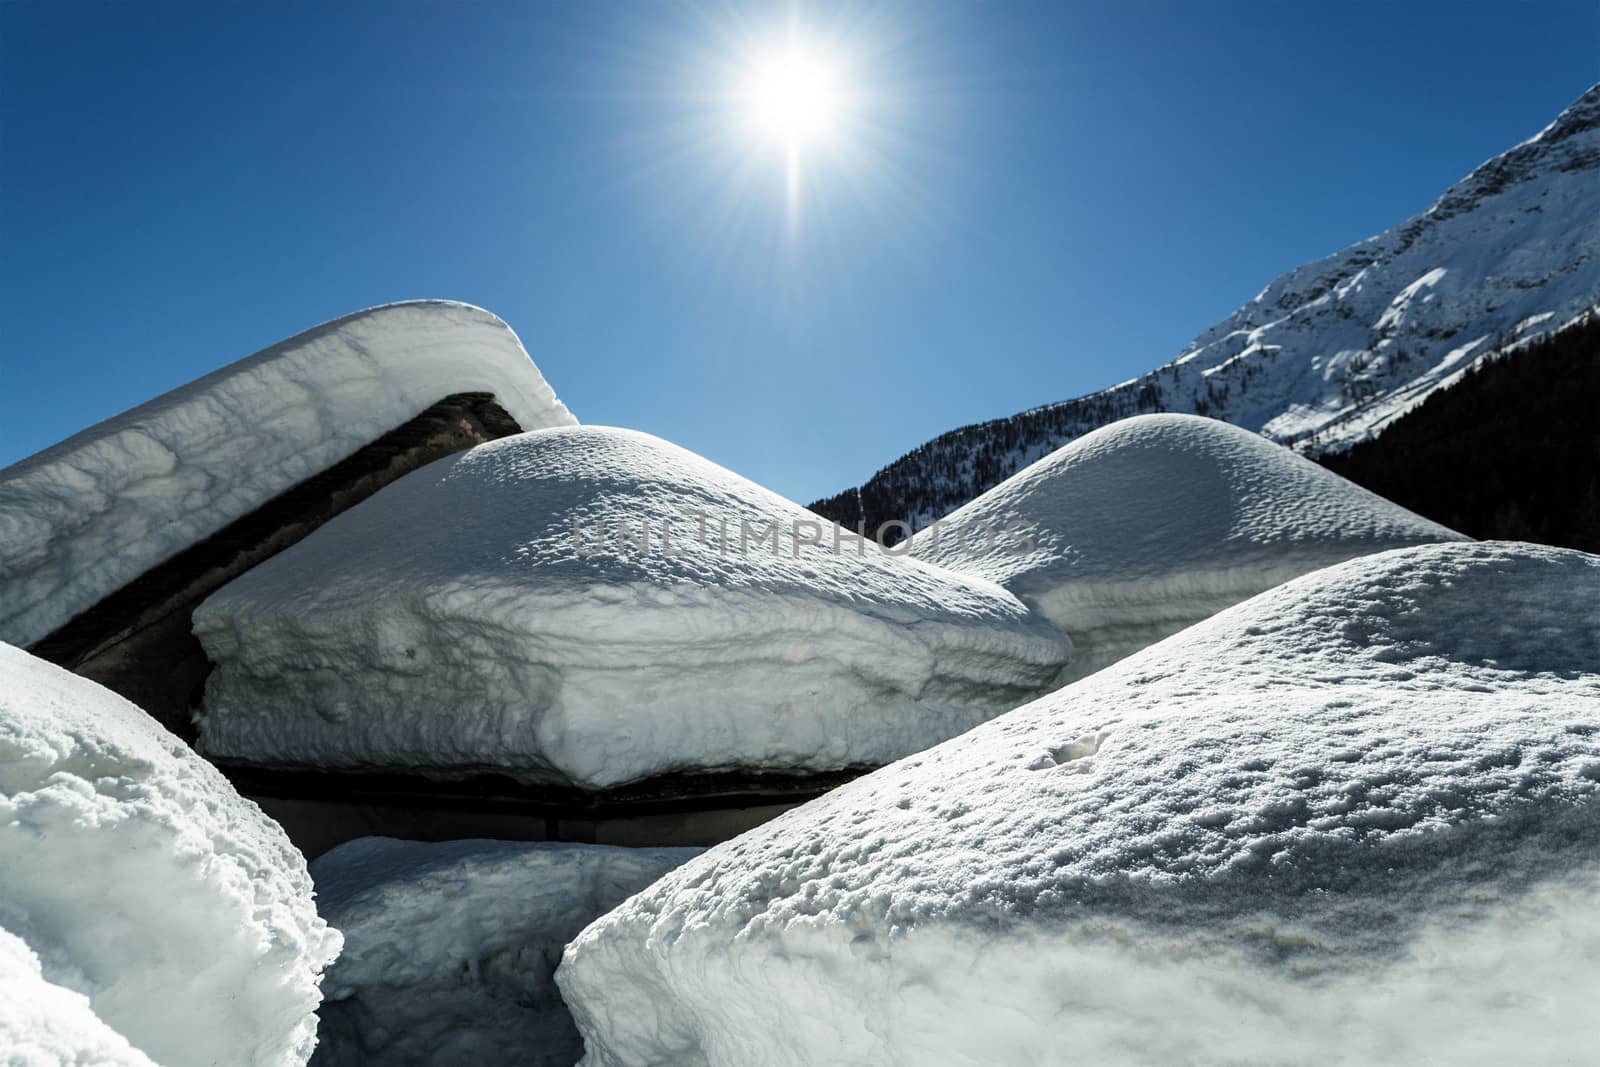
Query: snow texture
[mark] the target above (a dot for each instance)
(450, 949)
(45, 1025)
(143, 881)
(1333, 351)
(1353, 820)
(82, 519)
(515, 626)
(1133, 532)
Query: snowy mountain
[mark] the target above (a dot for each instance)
(1332, 352)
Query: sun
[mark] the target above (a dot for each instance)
(805, 110)
(794, 97)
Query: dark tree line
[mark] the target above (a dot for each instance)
(935, 478)
(1511, 451)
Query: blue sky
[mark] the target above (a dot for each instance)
(1032, 201)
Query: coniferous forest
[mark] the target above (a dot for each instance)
(1511, 452)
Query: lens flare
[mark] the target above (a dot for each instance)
(794, 98)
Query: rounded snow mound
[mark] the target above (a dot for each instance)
(83, 518)
(596, 606)
(451, 948)
(1143, 527)
(42, 1023)
(143, 881)
(1353, 820)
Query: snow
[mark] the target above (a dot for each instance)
(1353, 820)
(450, 948)
(45, 1025)
(1139, 529)
(496, 611)
(82, 519)
(142, 881)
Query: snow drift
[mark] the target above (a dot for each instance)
(82, 519)
(450, 949)
(44, 1025)
(1149, 525)
(595, 606)
(1353, 820)
(143, 881)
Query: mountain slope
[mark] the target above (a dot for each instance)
(1332, 352)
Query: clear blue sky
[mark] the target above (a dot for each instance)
(1041, 199)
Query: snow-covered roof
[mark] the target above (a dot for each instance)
(82, 519)
(451, 947)
(1145, 526)
(140, 878)
(497, 610)
(1352, 820)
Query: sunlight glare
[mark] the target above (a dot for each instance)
(794, 98)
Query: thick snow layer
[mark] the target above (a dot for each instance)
(143, 881)
(45, 1025)
(1137, 530)
(450, 949)
(1353, 820)
(497, 610)
(80, 520)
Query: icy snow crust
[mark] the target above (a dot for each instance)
(450, 949)
(1352, 820)
(143, 881)
(1151, 524)
(80, 520)
(458, 621)
(44, 1025)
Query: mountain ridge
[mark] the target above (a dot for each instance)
(1333, 351)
